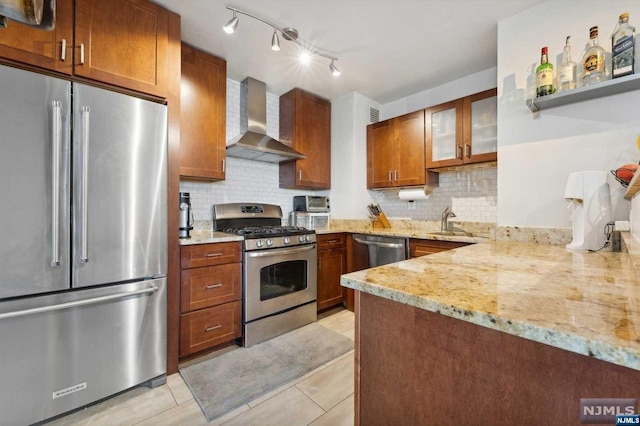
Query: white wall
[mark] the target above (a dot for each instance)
(536, 155)
(349, 119)
(456, 89)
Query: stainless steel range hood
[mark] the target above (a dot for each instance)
(253, 142)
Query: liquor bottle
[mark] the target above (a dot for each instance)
(622, 47)
(593, 65)
(544, 75)
(567, 71)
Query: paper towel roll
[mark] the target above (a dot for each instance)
(414, 194)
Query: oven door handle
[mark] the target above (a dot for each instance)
(268, 253)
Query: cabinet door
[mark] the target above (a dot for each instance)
(443, 125)
(409, 150)
(380, 155)
(203, 100)
(305, 125)
(43, 49)
(481, 127)
(331, 264)
(122, 42)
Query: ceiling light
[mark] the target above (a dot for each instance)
(231, 26)
(304, 58)
(288, 33)
(334, 70)
(275, 41)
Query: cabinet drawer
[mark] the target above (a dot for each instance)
(210, 286)
(199, 255)
(419, 248)
(210, 327)
(330, 241)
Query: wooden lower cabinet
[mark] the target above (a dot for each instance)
(415, 367)
(210, 295)
(419, 248)
(332, 260)
(209, 327)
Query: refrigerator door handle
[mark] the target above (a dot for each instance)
(151, 289)
(84, 252)
(56, 137)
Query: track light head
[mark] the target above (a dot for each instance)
(231, 26)
(275, 41)
(334, 70)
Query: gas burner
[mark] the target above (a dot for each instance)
(261, 231)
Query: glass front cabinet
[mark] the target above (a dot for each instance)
(463, 131)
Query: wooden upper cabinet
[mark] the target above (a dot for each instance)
(118, 42)
(395, 152)
(42, 49)
(203, 100)
(122, 42)
(463, 131)
(305, 125)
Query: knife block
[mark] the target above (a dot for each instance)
(382, 221)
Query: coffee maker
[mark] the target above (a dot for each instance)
(185, 220)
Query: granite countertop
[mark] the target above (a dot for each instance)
(411, 233)
(202, 236)
(587, 303)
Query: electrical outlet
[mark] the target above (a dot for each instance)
(412, 205)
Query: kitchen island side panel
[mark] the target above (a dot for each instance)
(419, 367)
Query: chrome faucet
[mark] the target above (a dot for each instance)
(444, 223)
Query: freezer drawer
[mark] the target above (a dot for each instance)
(61, 352)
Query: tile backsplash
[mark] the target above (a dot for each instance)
(471, 193)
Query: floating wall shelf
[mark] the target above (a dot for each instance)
(599, 90)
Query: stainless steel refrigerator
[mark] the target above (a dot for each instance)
(83, 244)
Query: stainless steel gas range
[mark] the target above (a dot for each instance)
(279, 269)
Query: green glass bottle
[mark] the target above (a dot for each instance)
(544, 75)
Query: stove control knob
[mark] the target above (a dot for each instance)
(301, 238)
(259, 243)
(307, 238)
(286, 240)
(269, 243)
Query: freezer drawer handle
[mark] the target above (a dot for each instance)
(212, 286)
(76, 303)
(215, 327)
(56, 137)
(84, 251)
(378, 244)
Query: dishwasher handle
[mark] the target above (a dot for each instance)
(380, 244)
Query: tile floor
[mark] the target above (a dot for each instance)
(322, 397)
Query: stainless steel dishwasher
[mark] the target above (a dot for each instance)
(375, 250)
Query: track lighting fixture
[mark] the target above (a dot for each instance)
(275, 41)
(334, 70)
(288, 33)
(231, 26)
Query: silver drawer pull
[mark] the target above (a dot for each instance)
(213, 254)
(215, 327)
(210, 286)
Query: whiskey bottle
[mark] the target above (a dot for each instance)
(593, 65)
(567, 71)
(622, 47)
(544, 75)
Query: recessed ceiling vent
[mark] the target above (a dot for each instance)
(374, 115)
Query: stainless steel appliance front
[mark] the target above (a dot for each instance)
(280, 291)
(84, 235)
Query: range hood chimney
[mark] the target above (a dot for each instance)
(253, 142)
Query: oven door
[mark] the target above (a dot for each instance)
(279, 279)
